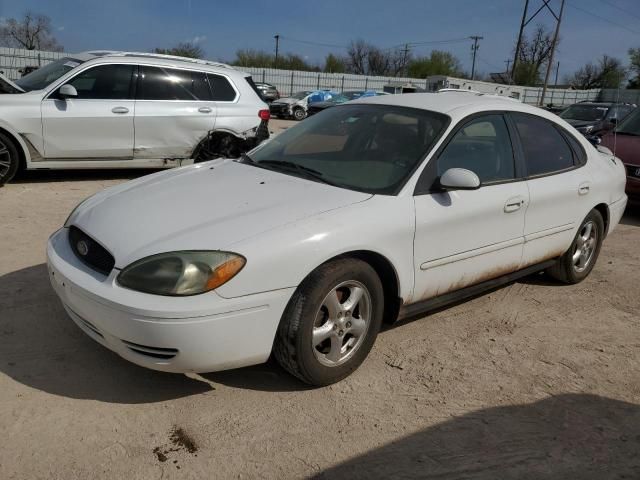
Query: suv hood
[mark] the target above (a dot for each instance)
(208, 206)
(7, 86)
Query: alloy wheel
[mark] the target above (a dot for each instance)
(585, 246)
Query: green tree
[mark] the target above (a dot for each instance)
(334, 64)
(262, 59)
(608, 72)
(183, 49)
(534, 52)
(437, 63)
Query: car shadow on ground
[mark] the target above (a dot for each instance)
(42, 348)
(631, 215)
(47, 176)
(567, 436)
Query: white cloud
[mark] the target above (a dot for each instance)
(61, 28)
(198, 39)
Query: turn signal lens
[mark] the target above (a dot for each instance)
(225, 272)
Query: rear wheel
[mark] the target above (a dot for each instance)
(331, 322)
(577, 262)
(9, 159)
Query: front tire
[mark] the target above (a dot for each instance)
(577, 262)
(331, 322)
(299, 114)
(9, 159)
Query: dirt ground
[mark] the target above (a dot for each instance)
(533, 380)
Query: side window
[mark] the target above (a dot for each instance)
(104, 82)
(158, 83)
(545, 150)
(483, 146)
(222, 89)
(579, 153)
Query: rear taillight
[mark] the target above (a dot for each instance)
(264, 114)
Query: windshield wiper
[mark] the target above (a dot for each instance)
(306, 171)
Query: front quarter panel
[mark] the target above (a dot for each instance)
(283, 257)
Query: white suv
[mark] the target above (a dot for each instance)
(121, 109)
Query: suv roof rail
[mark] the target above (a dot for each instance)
(163, 57)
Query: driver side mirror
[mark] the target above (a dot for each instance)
(67, 91)
(459, 179)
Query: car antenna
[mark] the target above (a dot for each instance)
(615, 133)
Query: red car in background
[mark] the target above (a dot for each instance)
(625, 142)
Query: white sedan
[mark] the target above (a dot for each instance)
(367, 212)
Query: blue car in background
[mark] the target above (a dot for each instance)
(337, 99)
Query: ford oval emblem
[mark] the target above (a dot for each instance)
(83, 247)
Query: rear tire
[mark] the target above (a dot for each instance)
(331, 322)
(577, 262)
(9, 159)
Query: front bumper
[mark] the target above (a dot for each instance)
(280, 109)
(202, 333)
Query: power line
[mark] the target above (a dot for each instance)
(621, 9)
(309, 42)
(603, 18)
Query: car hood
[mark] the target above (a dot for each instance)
(208, 206)
(290, 101)
(581, 123)
(7, 86)
(627, 147)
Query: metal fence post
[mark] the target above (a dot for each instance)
(342, 84)
(318, 87)
(291, 89)
(263, 75)
(366, 82)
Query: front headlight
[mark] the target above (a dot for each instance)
(181, 273)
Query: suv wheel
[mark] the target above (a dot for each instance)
(331, 322)
(9, 159)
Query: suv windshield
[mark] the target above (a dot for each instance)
(587, 113)
(40, 78)
(368, 148)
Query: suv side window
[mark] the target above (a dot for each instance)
(483, 146)
(545, 150)
(222, 89)
(159, 83)
(105, 82)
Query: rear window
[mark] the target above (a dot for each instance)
(255, 88)
(222, 89)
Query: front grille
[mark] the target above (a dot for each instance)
(153, 352)
(90, 252)
(279, 108)
(633, 171)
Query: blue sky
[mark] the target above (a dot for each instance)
(222, 27)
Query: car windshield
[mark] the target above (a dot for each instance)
(40, 78)
(368, 148)
(300, 95)
(587, 113)
(630, 125)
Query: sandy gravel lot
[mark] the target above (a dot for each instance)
(533, 380)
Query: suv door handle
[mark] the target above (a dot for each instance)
(584, 187)
(120, 110)
(204, 110)
(513, 204)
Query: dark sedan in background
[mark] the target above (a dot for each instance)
(596, 118)
(268, 92)
(625, 142)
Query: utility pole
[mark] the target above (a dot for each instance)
(404, 59)
(555, 85)
(553, 48)
(474, 49)
(275, 63)
(519, 42)
(507, 62)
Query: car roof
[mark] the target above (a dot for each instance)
(449, 102)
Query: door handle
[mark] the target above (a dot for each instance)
(204, 110)
(120, 110)
(513, 204)
(584, 187)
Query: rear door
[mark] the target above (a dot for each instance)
(98, 123)
(174, 112)
(558, 187)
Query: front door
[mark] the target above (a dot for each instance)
(98, 123)
(464, 237)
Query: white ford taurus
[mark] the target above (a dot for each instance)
(367, 212)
